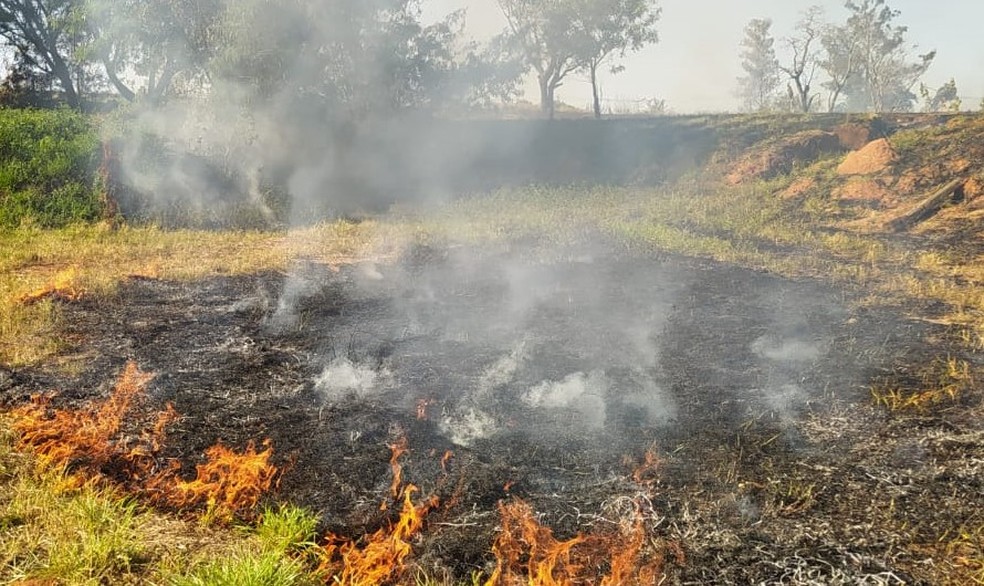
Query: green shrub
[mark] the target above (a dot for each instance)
(48, 162)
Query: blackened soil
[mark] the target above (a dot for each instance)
(550, 381)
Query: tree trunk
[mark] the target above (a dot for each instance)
(114, 79)
(546, 97)
(594, 91)
(63, 74)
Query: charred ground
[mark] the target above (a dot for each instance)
(752, 390)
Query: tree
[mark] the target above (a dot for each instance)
(352, 55)
(44, 33)
(869, 62)
(609, 29)
(543, 32)
(757, 88)
(153, 41)
(842, 56)
(946, 98)
(804, 62)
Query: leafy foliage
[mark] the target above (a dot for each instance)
(47, 170)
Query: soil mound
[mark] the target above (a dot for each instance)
(875, 157)
(866, 192)
(779, 157)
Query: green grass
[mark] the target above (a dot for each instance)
(94, 536)
(48, 162)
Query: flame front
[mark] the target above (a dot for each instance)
(89, 444)
(228, 482)
(379, 558)
(86, 439)
(528, 554)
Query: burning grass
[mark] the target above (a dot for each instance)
(380, 557)
(107, 443)
(527, 553)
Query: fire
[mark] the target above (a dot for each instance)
(228, 482)
(527, 553)
(382, 555)
(106, 442)
(64, 287)
(445, 459)
(646, 473)
(87, 438)
(398, 449)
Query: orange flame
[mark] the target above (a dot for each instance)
(398, 449)
(383, 555)
(646, 473)
(64, 286)
(86, 438)
(528, 554)
(228, 483)
(445, 459)
(89, 443)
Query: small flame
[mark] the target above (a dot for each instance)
(382, 555)
(445, 459)
(65, 286)
(647, 472)
(398, 449)
(528, 554)
(228, 482)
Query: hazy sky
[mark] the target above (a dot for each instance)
(695, 65)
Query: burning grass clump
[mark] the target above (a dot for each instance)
(228, 483)
(107, 443)
(380, 557)
(527, 553)
(64, 286)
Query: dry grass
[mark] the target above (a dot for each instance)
(944, 383)
(48, 267)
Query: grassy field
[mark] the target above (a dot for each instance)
(53, 533)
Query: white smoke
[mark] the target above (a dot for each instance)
(344, 378)
(582, 394)
(780, 349)
(465, 426)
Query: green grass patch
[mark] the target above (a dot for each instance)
(48, 162)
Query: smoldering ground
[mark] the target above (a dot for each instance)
(547, 377)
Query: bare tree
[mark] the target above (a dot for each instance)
(757, 88)
(804, 47)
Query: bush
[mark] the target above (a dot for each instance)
(48, 162)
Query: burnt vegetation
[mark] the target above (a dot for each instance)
(309, 314)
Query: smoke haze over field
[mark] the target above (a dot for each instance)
(695, 64)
